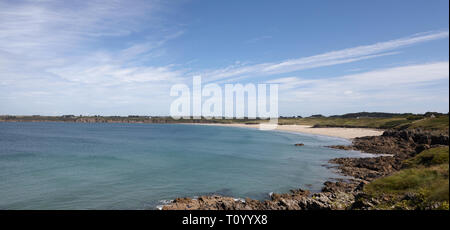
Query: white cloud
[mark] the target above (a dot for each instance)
(394, 88)
(326, 59)
(38, 25)
(53, 53)
(65, 39)
(376, 79)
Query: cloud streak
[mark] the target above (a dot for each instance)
(392, 87)
(31, 26)
(326, 59)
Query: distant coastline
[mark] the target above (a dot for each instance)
(349, 126)
(371, 120)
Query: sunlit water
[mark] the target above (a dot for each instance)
(137, 166)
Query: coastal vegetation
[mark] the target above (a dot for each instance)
(422, 184)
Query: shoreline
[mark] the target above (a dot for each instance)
(337, 194)
(346, 133)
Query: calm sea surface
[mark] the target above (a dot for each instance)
(138, 166)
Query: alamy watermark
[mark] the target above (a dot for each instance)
(261, 101)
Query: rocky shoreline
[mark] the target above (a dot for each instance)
(340, 194)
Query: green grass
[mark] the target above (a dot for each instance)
(410, 180)
(426, 178)
(437, 123)
(434, 156)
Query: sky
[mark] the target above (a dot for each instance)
(121, 57)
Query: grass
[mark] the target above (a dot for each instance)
(426, 179)
(410, 181)
(437, 123)
(430, 157)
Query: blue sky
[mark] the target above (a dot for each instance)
(122, 57)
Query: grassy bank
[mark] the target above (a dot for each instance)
(422, 184)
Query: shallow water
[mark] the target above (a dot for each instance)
(137, 166)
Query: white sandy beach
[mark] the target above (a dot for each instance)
(347, 133)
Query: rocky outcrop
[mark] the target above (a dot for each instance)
(367, 169)
(333, 198)
(419, 136)
(341, 147)
(400, 145)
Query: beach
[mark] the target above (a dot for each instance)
(347, 133)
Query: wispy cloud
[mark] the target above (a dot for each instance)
(325, 59)
(55, 39)
(372, 80)
(61, 48)
(38, 25)
(97, 56)
(392, 87)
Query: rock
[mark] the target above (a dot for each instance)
(401, 144)
(364, 202)
(341, 147)
(367, 168)
(340, 186)
(422, 147)
(295, 200)
(312, 204)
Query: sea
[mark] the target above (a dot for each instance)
(57, 165)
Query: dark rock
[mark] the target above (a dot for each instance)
(340, 186)
(401, 145)
(342, 147)
(364, 202)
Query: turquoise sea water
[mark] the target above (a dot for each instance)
(137, 166)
